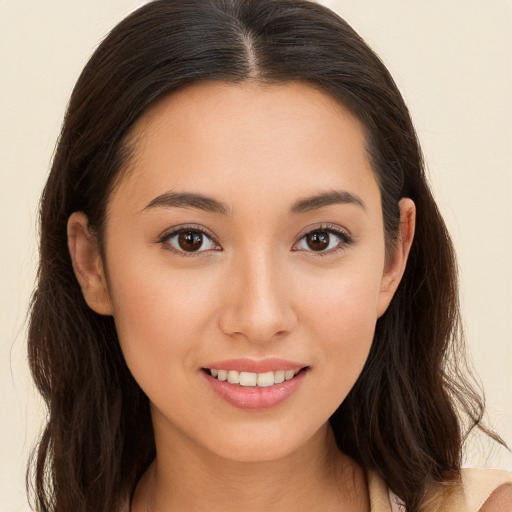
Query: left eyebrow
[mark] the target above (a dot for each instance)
(187, 200)
(326, 199)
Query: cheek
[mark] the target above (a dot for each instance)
(159, 316)
(344, 301)
(341, 317)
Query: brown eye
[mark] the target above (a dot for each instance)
(318, 240)
(324, 241)
(189, 240)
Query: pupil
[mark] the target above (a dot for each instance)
(190, 240)
(318, 240)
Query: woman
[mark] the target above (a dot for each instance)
(247, 296)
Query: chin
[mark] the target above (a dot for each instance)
(250, 452)
(264, 445)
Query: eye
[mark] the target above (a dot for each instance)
(189, 240)
(324, 240)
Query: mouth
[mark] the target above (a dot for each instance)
(255, 391)
(253, 379)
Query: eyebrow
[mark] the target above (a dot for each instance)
(192, 200)
(187, 200)
(326, 199)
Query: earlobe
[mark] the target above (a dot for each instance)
(395, 267)
(87, 264)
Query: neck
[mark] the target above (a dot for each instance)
(318, 476)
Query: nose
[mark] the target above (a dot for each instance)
(258, 300)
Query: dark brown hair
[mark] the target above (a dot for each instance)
(401, 418)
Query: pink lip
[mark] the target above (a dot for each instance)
(254, 398)
(256, 366)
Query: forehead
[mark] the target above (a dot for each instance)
(220, 138)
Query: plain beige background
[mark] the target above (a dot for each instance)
(451, 59)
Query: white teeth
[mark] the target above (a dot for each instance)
(278, 376)
(265, 379)
(248, 379)
(262, 380)
(289, 374)
(233, 377)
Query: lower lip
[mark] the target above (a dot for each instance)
(252, 398)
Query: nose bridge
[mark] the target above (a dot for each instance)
(258, 306)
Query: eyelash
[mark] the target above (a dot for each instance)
(164, 240)
(345, 240)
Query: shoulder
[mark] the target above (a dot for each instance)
(500, 500)
(482, 490)
(479, 490)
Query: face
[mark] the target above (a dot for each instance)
(245, 242)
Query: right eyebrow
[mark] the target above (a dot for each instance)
(172, 199)
(324, 199)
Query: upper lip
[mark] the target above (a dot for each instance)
(256, 365)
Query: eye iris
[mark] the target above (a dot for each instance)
(190, 240)
(318, 240)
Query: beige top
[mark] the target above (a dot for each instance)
(469, 496)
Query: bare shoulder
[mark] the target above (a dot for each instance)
(500, 500)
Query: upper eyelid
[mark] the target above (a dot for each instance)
(170, 232)
(308, 229)
(324, 227)
(167, 235)
(335, 229)
(346, 239)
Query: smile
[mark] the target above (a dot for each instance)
(255, 390)
(246, 379)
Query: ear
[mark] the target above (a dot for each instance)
(395, 267)
(87, 264)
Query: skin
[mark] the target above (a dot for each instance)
(257, 291)
(499, 501)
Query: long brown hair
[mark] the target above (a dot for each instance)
(401, 418)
